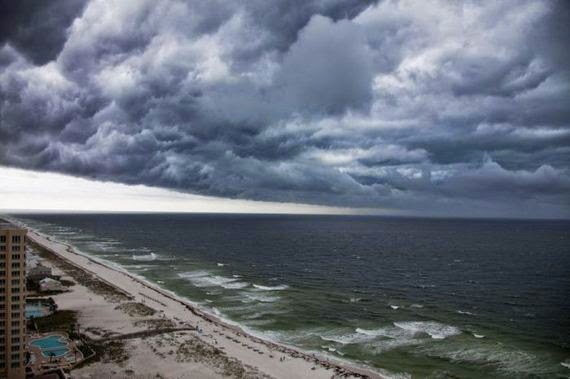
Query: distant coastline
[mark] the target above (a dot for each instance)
(179, 309)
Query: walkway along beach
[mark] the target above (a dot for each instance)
(258, 357)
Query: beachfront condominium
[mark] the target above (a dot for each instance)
(12, 301)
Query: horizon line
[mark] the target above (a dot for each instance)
(371, 215)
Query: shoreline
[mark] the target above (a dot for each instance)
(302, 363)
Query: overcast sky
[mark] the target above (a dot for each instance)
(457, 108)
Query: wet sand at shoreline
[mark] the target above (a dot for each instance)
(224, 349)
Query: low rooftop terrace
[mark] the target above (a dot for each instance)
(8, 225)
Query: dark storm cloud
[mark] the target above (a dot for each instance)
(421, 107)
(37, 28)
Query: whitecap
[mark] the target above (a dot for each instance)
(465, 313)
(434, 329)
(564, 364)
(376, 332)
(348, 338)
(280, 287)
(221, 264)
(395, 307)
(259, 297)
(506, 359)
(193, 274)
(205, 279)
(144, 257)
(478, 335)
(234, 285)
(388, 332)
(380, 346)
(339, 339)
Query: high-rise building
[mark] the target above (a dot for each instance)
(12, 301)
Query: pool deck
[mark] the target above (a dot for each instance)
(40, 363)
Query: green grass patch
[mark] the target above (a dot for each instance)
(60, 321)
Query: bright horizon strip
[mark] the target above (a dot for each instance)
(28, 191)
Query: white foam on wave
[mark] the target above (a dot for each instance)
(505, 359)
(104, 245)
(193, 274)
(400, 334)
(235, 285)
(346, 338)
(435, 330)
(259, 297)
(137, 250)
(388, 338)
(280, 287)
(383, 345)
(388, 332)
(249, 309)
(206, 279)
(144, 257)
(299, 335)
(67, 233)
(329, 348)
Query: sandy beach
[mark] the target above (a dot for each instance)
(167, 336)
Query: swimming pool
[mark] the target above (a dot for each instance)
(52, 346)
(36, 310)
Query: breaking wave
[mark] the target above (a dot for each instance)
(280, 287)
(206, 279)
(434, 329)
(260, 297)
(144, 257)
(505, 359)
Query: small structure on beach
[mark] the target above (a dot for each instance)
(31, 259)
(39, 272)
(49, 284)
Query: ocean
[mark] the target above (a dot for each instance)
(434, 298)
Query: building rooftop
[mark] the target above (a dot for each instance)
(8, 225)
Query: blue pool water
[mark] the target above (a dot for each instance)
(33, 310)
(52, 345)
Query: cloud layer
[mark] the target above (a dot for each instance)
(423, 107)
